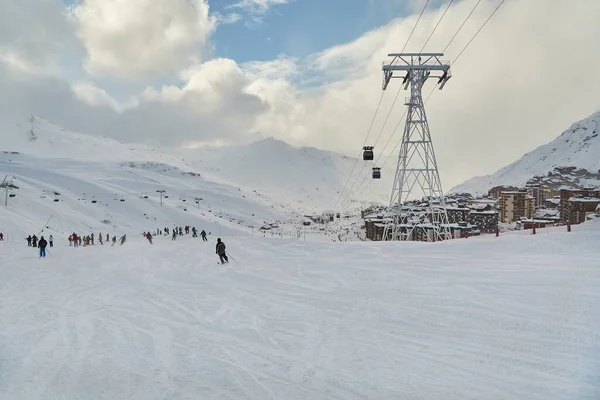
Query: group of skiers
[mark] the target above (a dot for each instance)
(179, 231)
(176, 231)
(42, 243)
(75, 240)
(32, 241)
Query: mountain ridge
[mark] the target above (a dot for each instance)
(570, 160)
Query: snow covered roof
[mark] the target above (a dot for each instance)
(479, 206)
(585, 199)
(537, 221)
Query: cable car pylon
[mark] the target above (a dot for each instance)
(417, 172)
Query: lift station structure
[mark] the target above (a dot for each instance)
(417, 173)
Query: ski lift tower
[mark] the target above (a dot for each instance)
(417, 171)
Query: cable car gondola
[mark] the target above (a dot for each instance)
(376, 173)
(368, 153)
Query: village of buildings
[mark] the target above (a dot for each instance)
(504, 208)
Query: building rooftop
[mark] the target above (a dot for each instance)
(585, 199)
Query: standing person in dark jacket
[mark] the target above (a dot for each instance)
(220, 250)
(42, 245)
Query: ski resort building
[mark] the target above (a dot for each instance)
(515, 205)
(577, 204)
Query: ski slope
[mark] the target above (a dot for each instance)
(89, 184)
(514, 317)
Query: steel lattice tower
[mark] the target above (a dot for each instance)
(417, 171)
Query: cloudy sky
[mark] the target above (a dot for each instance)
(183, 73)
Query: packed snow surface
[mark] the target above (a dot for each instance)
(515, 317)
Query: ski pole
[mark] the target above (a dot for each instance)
(229, 255)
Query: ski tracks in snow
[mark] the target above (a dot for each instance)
(295, 320)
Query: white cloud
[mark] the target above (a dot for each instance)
(127, 39)
(33, 34)
(94, 96)
(522, 81)
(257, 6)
(230, 18)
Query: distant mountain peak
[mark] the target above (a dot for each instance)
(570, 160)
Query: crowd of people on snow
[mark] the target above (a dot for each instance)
(76, 240)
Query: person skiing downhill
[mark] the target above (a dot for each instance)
(203, 234)
(220, 251)
(149, 237)
(42, 245)
(123, 238)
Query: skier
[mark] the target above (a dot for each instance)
(114, 240)
(107, 237)
(123, 238)
(149, 237)
(70, 240)
(28, 238)
(51, 240)
(42, 245)
(174, 235)
(34, 241)
(220, 251)
(92, 238)
(1, 237)
(203, 234)
(194, 232)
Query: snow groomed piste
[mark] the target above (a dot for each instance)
(498, 318)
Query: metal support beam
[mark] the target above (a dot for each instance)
(417, 174)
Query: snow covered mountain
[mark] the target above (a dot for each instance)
(572, 159)
(305, 178)
(94, 184)
(109, 185)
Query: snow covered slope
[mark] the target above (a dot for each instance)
(307, 178)
(42, 138)
(578, 146)
(514, 317)
(98, 185)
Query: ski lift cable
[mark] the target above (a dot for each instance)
(433, 89)
(399, 89)
(477, 33)
(461, 26)
(364, 143)
(436, 25)
(386, 119)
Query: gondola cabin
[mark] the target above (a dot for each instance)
(368, 153)
(376, 173)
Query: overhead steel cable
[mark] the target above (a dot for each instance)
(430, 93)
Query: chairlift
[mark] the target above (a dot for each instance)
(122, 200)
(368, 153)
(12, 195)
(56, 200)
(376, 173)
(93, 201)
(145, 197)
